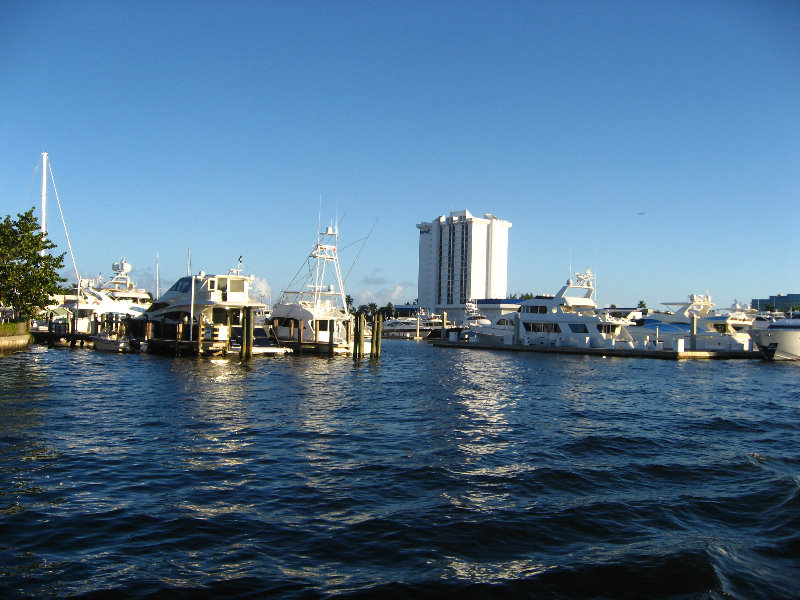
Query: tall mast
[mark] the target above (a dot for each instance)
(44, 195)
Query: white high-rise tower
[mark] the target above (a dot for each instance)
(462, 257)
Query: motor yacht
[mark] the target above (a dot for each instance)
(568, 318)
(693, 324)
(200, 309)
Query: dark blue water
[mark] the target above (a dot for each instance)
(432, 473)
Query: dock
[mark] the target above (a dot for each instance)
(604, 352)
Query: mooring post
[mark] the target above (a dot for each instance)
(250, 331)
(373, 347)
(358, 346)
(331, 325)
(377, 335)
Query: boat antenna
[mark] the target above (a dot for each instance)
(189, 261)
(158, 286)
(319, 215)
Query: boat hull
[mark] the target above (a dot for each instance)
(110, 344)
(776, 344)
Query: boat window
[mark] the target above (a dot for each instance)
(236, 285)
(578, 328)
(182, 286)
(536, 310)
(542, 327)
(323, 325)
(212, 284)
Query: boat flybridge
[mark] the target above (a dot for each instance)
(569, 318)
(121, 288)
(312, 314)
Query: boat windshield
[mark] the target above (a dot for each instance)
(182, 286)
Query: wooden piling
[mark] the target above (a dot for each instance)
(358, 343)
(246, 350)
(373, 347)
(377, 336)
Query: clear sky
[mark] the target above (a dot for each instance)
(657, 142)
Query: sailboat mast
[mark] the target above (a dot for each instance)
(44, 196)
(158, 285)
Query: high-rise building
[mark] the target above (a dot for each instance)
(461, 258)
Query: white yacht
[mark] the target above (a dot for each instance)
(569, 318)
(92, 304)
(672, 330)
(420, 326)
(780, 340)
(312, 315)
(122, 289)
(200, 309)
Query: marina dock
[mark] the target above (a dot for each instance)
(604, 352)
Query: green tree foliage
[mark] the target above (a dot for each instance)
(642, 304)
(28, 277)
(387, 311)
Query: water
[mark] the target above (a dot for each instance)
(432, 473)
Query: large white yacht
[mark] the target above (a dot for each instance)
(569, 318)
(122, 289)
(92, 303)
(312, 315)
(713, 331)
(780, 340)
(202, 309)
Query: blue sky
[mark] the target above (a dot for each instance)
(222, 127)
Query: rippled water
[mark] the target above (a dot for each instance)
(434, 472)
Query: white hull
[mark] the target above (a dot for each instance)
(671, 340)
(777, 344)
(113, 344)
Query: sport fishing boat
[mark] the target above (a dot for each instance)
(312, 315)
(780, 340)
(569, 318)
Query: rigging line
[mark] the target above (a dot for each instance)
(360, 250)
(63, 222)
(353, 243)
